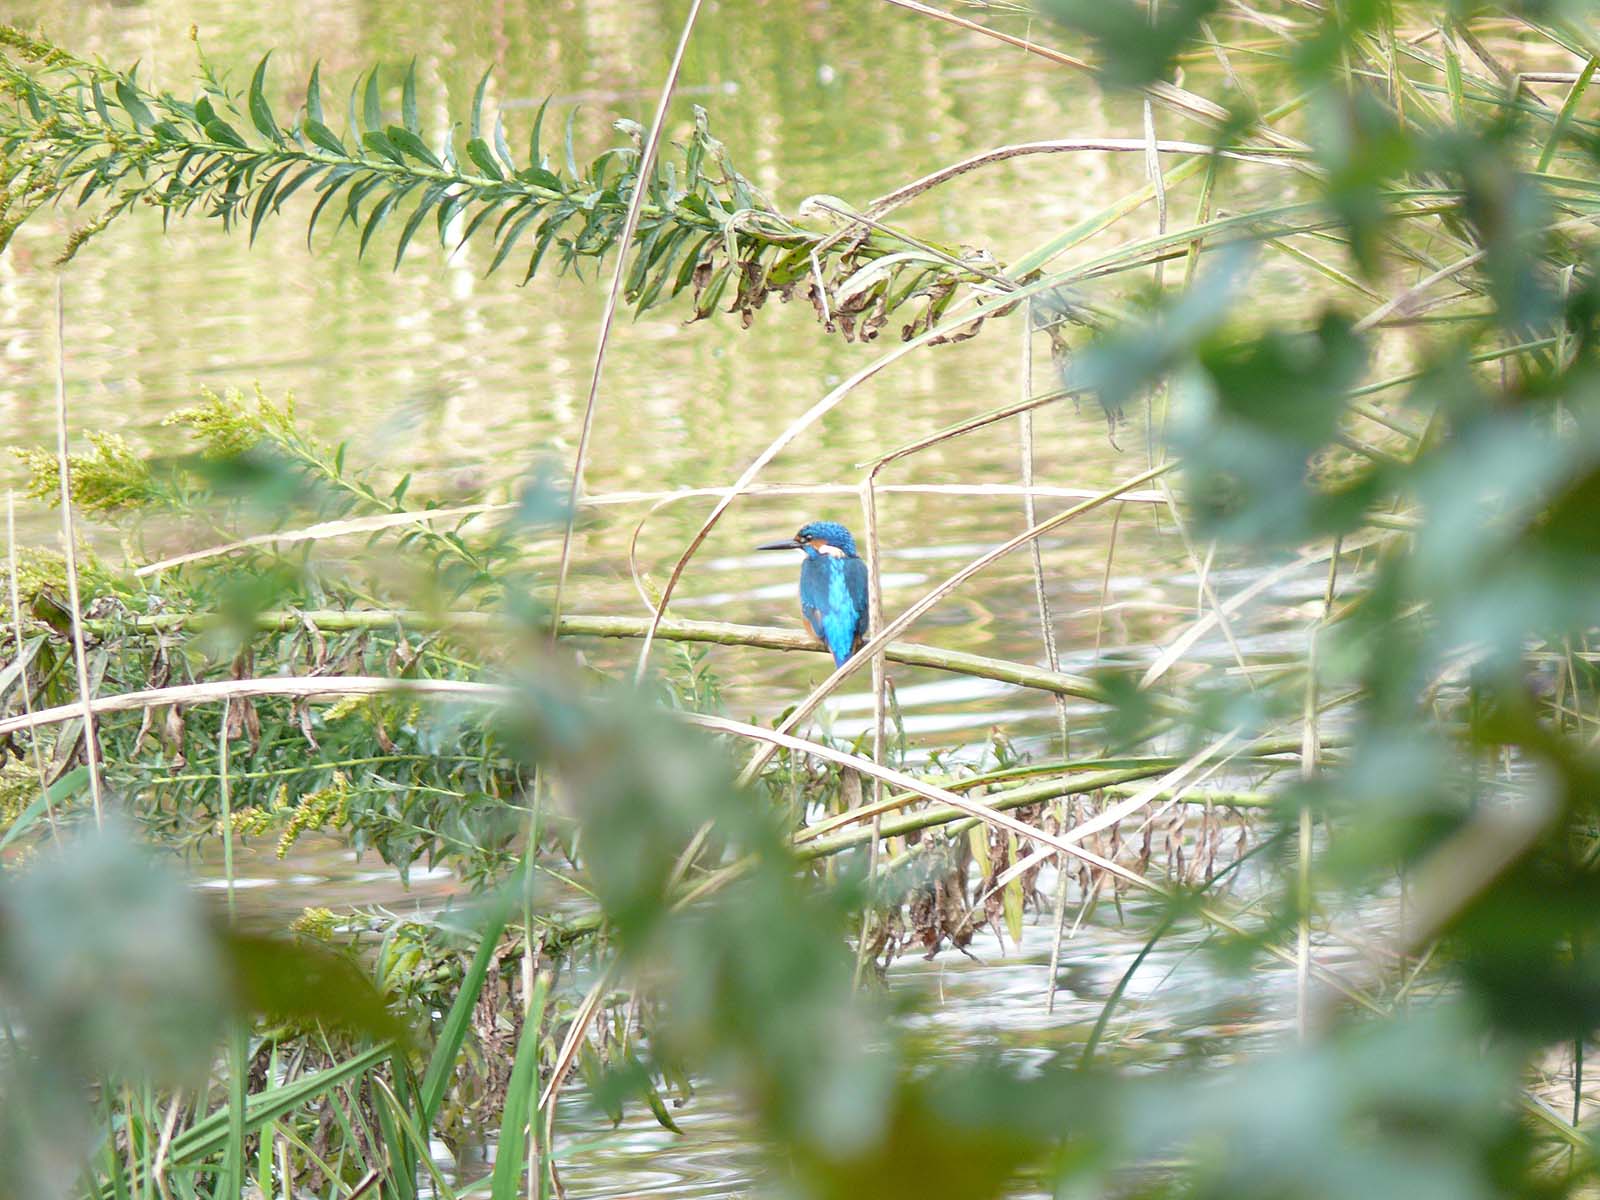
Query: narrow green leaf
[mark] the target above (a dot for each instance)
(535, 155)
(658, 1107)
(378, 142)
(136, 108)
(353, 121)
(208, 1135)
(324, 137)
(502, 147)
(100, 104)
(372, 110)
(203, 112)
(220, 131)
(411, 144)
(260, 110)
(521, 1102)
(510, 238)
(333, 184)
(483, 215)
(453, 204)
(408, 101)
(686, 271)
(1452, 74)
(314, 94)
(539, 177)
(1564, 117)
(1011, 898)
(233, 1157)
(479, 152)
(477, 107)
(68, 786)
(289, 189)
(429, 198)
(114, 1166)
(441, 1063)
(652, 291)
(401, 1182)
(263, 204)
(413, 1149)
(547, 233)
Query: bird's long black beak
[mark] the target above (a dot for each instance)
(787, 544)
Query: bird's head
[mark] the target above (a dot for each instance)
(818, 537)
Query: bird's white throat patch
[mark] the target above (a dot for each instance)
(830, 551)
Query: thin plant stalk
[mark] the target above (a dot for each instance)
(22, 679)
(652, 145)
(1047, 625)
(992, 816)
(869, 516)
(91, 751)
(1310, 756)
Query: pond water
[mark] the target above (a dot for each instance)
(469, 381)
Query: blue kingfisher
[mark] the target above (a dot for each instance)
(833, 585)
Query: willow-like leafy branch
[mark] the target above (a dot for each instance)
(71, 129)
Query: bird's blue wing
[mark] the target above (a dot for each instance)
(833, 598)
(814, 593)
(855, 575)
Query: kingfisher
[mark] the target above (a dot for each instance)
(833, 585)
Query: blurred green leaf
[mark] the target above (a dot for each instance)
(1135, 43)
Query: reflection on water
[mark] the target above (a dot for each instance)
(467, 381)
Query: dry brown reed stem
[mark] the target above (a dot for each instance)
(1310, 762)
(928, 791)
(91, 748)
(1207, 591)
(641, 189)
(158, 1171)
(576, 1032)
(272, 685)
(1400, 302)
(969, 424)
(910, 191)
(1186, 638)
(932, 597)
(1047, 627)
(1105, 579)
(1030, 517)
(324, 530)
(321, 531)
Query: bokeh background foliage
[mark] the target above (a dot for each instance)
(1349, 326)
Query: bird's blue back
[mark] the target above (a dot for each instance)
(833, 597)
